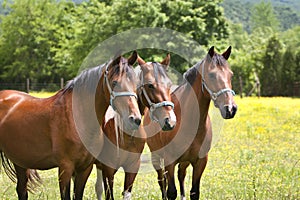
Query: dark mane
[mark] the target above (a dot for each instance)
(191, 74)
(85, 77)
(219, 60)
(124, 68)
(161, 70)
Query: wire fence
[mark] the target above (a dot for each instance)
(27, 86)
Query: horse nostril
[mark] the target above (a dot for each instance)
(134, 120)
(137, 121)
(234, 109)
(230, 111)
(167, 126)
(167, 121)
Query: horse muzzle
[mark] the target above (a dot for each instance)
(134, 122)
(169, 122)
(228, 111)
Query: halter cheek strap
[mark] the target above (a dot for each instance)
(114, 94)
(214, 95)
(154, 106)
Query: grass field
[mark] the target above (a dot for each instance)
(255, 156)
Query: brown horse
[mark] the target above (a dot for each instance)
(55, 132)
(190, 141)
(123, 148)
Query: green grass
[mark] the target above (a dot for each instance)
(255, 156)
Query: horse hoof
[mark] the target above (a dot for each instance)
(182, 197)
(127, 195)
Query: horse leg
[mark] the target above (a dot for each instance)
(22, 179)
(108, 180)
(80, 181)
(198, 168)
(162, 181)
(181, 176)
(171, 191)
(65, 175)
(158, 164)
(128, 183)
(99, 184)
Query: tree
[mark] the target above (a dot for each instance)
(29, 41)
(262, 16)
(288, 72)
(49, 39)
(270, 75)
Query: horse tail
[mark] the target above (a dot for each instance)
(34, 180)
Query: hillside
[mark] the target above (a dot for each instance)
(239, 11)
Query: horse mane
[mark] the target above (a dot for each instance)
(86, 77)
(156, 66)
(161, 70)
(219, 60)
(191, 74)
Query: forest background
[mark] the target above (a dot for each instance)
(46, 40)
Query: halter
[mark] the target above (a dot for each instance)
(154, 106)
(214, 95)
(114, 94)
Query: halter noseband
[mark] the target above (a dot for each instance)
(114, 94)
(214, 95)
(154, 106)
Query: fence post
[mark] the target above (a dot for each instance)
(241, 86)
(61, 83)
(27, 85)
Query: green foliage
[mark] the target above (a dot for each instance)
(286, 12)
(288, 72)
(263, 16)
(30, 35)
(270, 75)
(252, 52)
(46, 40)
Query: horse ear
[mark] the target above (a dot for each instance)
(166, 61)
(132, 59)
(141, 61)
(227, 53)
(211, 51)
(116, 61)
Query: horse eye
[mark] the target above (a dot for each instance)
(114, 83)
(151, 86)
(212, 75)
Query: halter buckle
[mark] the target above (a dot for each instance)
(214, 96)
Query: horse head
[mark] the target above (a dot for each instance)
(120, 82)
(216, 81)
(155, 93)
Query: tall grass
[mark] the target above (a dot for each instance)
(256, 156)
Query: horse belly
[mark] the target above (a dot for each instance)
(24, 138)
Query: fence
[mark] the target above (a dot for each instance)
(27, 86)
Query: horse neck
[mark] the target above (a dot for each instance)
(202, 100)
(141, 105)
(101, 104)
